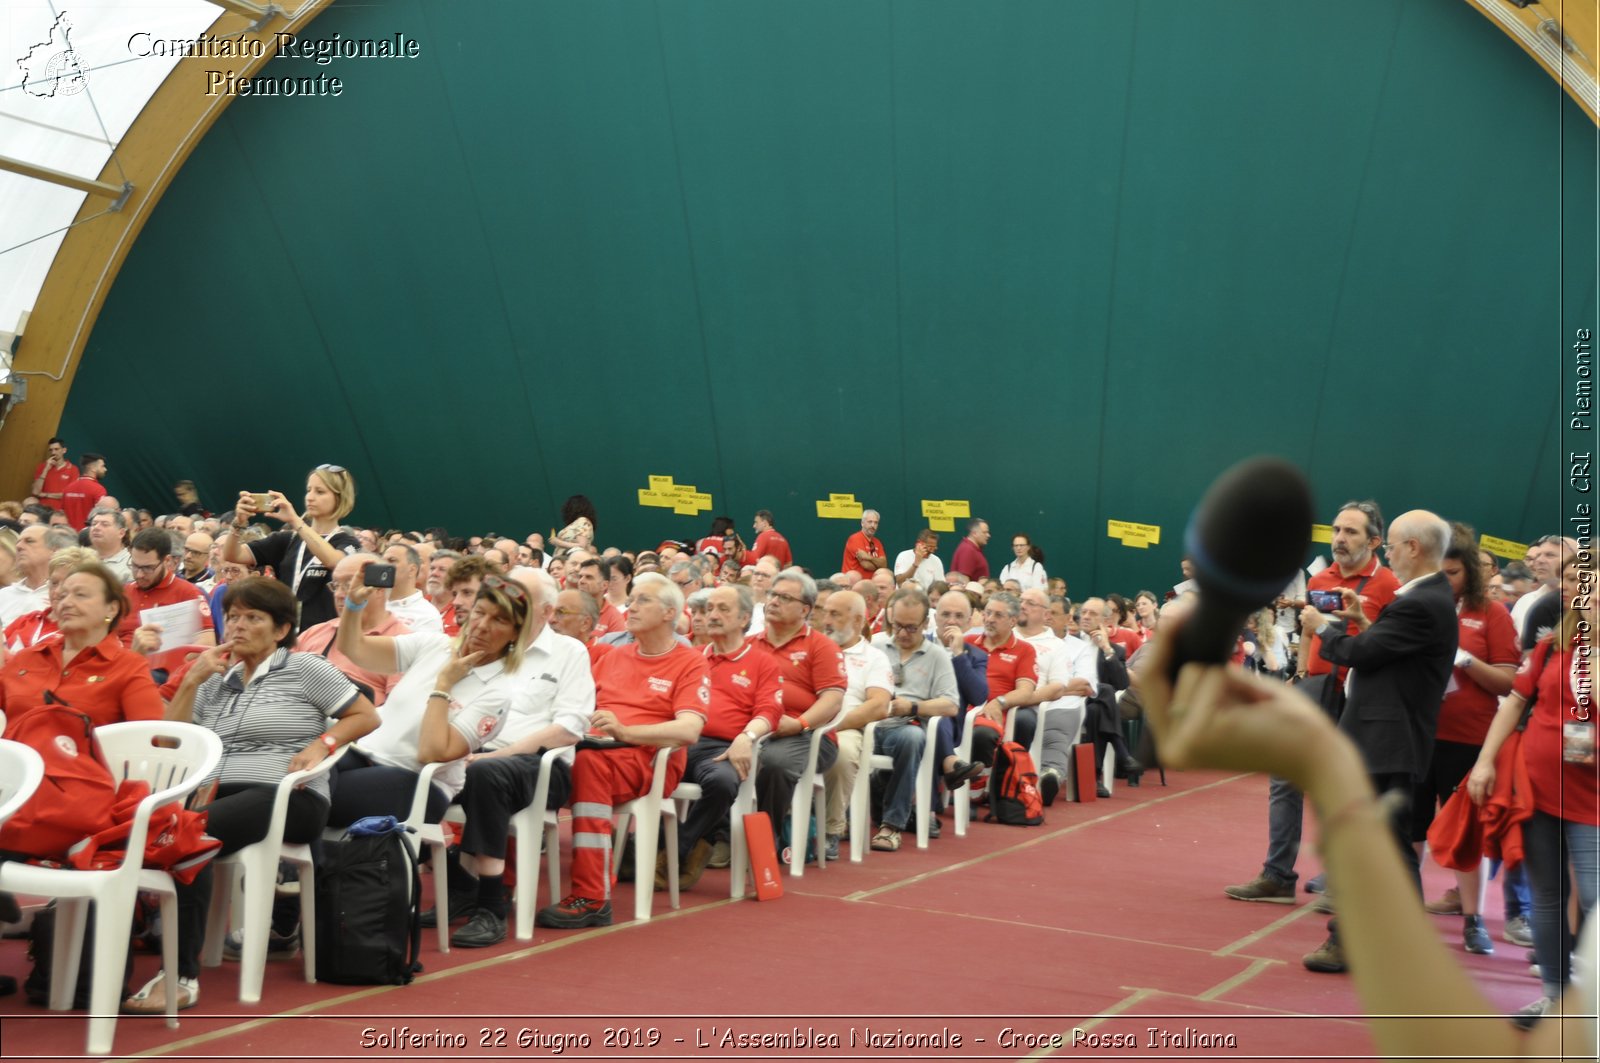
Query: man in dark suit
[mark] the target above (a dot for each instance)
(1400, 665)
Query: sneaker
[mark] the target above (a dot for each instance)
(933, 827)
(1101, 792)
(832, 847)
(1518, 932)
(1263, 888)
(1049, 786)
(1327, 959)
(1323, 905)
(1317, 884)
(722, 855)
(483, 929)
(1449, 904)
(574, 913)
(1475, 937)
(279, 946)
(152, 999)
(462, 906)
(1525, 1017)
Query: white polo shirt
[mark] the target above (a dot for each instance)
(928, 573)
(417, 613)
(478, 705)
(555, 686)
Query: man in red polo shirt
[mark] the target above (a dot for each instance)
(968, 558)
(769, 542)
(54, 473)
(1013, 672)
(79, 497)
(746, 701)
(156, 584)
(1357, 531)
(577, 616)
(593, 575)
(814, 681)
(652, 692)
(863, 551)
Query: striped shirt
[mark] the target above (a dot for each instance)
(280, 711)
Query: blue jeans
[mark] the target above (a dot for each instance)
(1513, 888)
(904, 745)
(1285, 816)
(1551, 843)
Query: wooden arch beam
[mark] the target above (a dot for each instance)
(1563, 36)
(156, 146)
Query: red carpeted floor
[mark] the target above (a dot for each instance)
(1103, 934)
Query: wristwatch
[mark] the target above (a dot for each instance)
(328, 740)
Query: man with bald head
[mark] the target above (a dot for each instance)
(406, 599)
(376, 619)
(866, 698)
(1400, 663)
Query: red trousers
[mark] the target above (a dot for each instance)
(602, 779)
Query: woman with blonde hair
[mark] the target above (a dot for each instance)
(475, 673)
(304, 553)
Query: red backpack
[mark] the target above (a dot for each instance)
(1014, 788)
(75, 797)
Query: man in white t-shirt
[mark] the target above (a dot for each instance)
(1068, 674)
(31, 592)
(920, 565)
(870, 682)
(406, 599)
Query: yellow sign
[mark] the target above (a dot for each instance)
(839, 507)
(1322, 533)
(683, 499)
(942, 513)
(1138, 536)
(1504, 548)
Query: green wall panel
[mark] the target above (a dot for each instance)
(1063, 259)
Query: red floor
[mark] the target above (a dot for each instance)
(1101, 935)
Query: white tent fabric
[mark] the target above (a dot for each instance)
(74, 74)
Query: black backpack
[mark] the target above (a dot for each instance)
(369, 906)
(1014, 796)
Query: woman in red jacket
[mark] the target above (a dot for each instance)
(1486, 663)
(85, 665)
(1558, 748)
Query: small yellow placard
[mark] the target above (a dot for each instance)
(942, 513)
(1138, 536)
(1322, 533)
(683, 499)
(1504, 548)
(839, 507)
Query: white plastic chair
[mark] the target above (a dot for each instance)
(861, 795)
(743, 804)
(961, 796)
(173, 770)
(21, 769)
(810, 799)
(245, 886)
(652, 813)
(537, 830)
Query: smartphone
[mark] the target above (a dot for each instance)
(1325, 601)
(263, 502)
(378, 575)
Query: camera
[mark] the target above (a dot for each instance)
(1325, 601)
(378, 575)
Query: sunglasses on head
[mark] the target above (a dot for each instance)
(330, 468)
(510, 588)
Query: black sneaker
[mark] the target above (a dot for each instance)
(574, 913)
(483, 929)
(1049, 786)
(1101, 792)
(462, 906)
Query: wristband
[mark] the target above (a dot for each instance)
(328, 740)
(445, 694)
(351, 605)
(750, 735)
(801, 719)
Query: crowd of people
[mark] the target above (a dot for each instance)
(293, 633)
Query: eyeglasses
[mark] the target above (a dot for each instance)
(147, 568)
(777, 597)
(331, 468)
(568, 612)
(510, 588)
(904, 629)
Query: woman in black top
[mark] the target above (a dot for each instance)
(304, 553)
